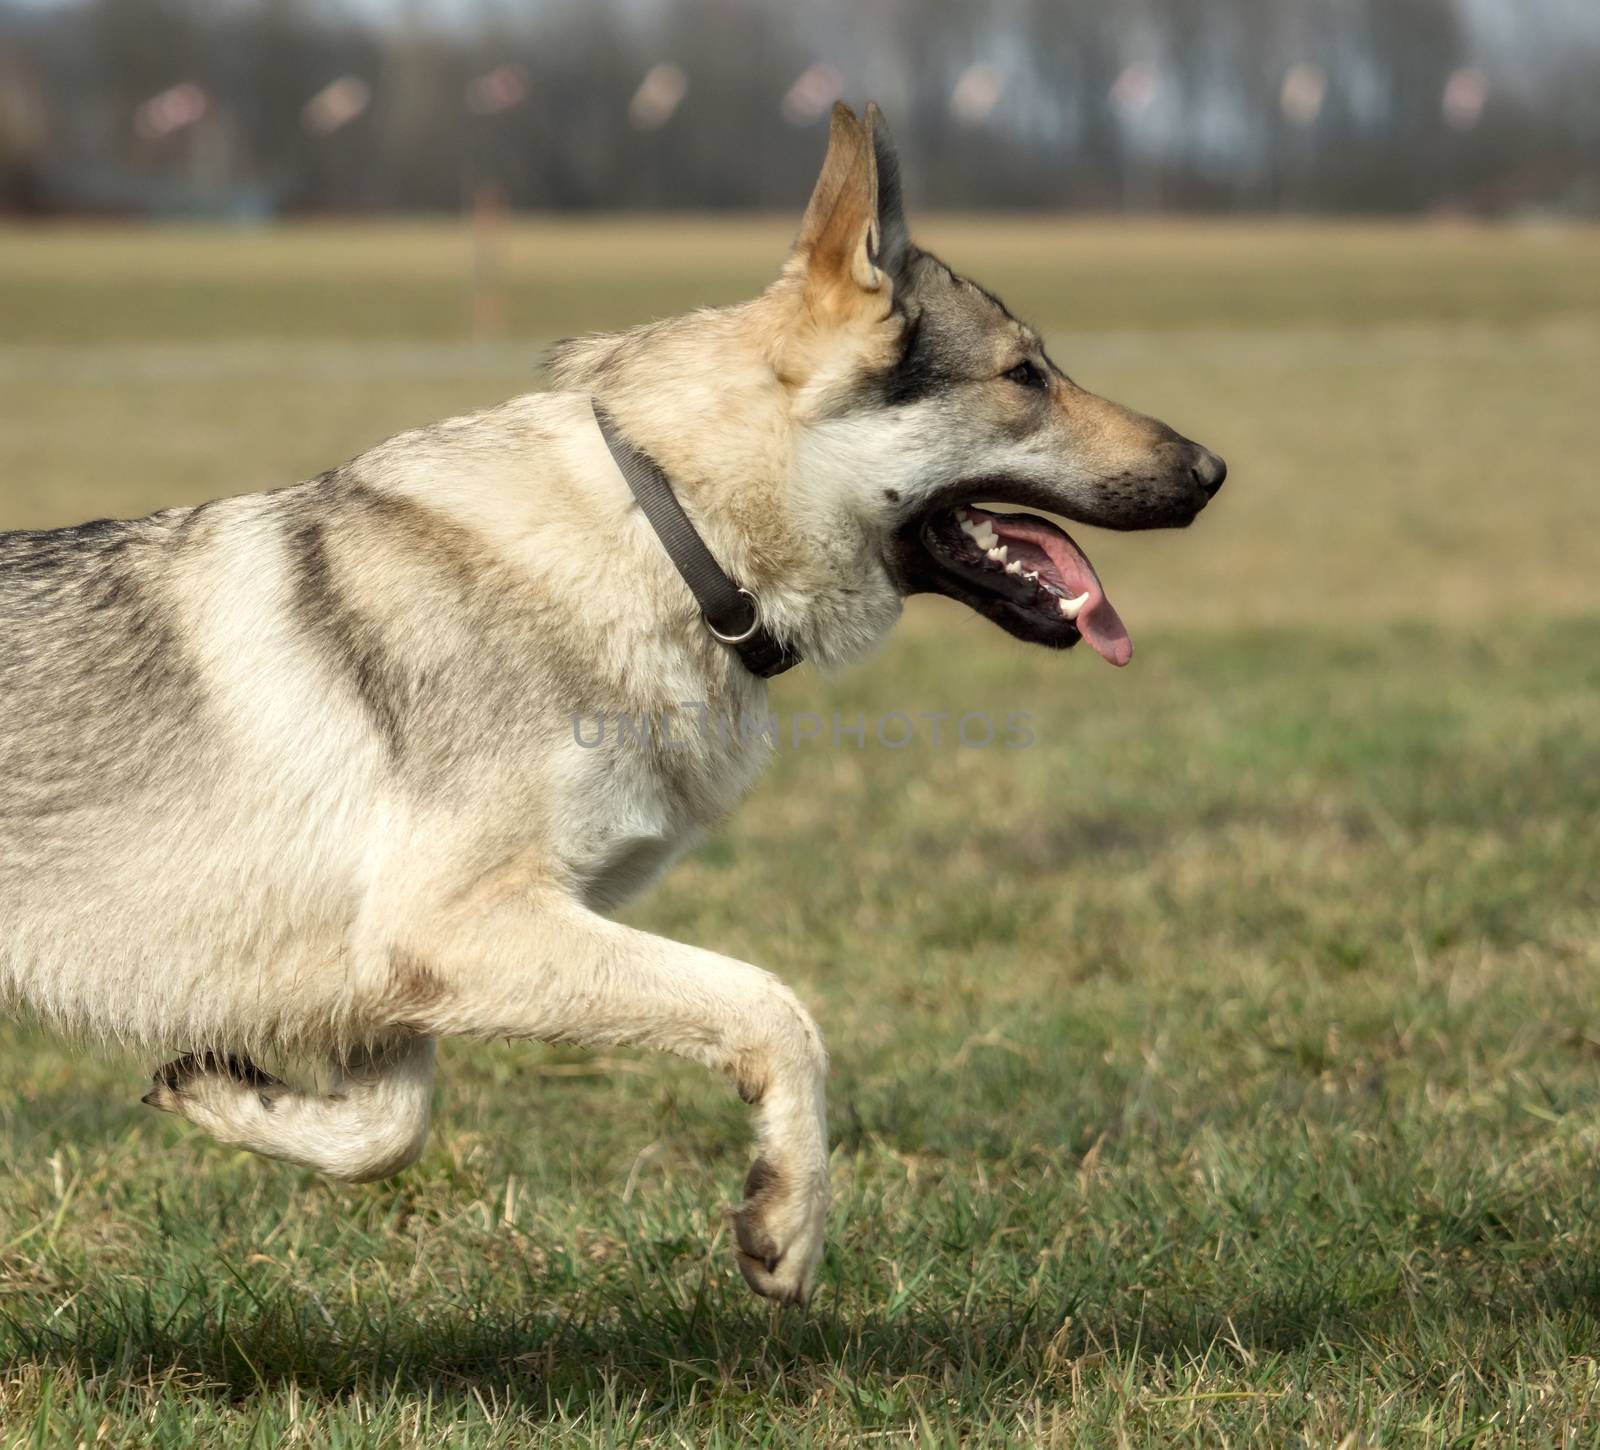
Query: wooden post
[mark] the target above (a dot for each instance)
(488, 243)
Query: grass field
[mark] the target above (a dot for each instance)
(1222, 1068)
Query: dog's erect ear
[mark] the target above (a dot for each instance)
(841, 243)
(894, 237)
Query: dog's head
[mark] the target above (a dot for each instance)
(918, 397)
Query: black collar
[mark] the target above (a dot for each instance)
(732, 614)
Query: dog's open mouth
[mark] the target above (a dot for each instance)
(1024, 573)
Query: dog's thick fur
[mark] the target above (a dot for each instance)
(297, 772)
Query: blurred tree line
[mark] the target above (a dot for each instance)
(288, 105)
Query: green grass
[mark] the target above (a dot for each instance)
(1224, 1067)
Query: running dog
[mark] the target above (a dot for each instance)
(296, 772)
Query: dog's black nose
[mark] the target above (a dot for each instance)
(1209, 471)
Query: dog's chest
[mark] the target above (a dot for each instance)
(639, 794)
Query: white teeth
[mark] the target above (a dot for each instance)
(1032, 578)
(1072, 607)
(982, 534)
(1014, 567)
(997, 556)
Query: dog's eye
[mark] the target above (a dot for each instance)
(1026, 375)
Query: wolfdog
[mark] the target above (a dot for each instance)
(295, 773)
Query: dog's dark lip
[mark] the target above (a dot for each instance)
(1019, 493)
(1023, 493)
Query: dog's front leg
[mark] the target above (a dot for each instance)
(544, 967)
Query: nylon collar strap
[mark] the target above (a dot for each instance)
(732, 614)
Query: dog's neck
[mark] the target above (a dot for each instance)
(700, 395)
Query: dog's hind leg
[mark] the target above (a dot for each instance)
(371, 1124)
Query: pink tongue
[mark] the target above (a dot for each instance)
(1098, 622)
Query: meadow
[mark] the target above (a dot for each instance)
(1223, 1067)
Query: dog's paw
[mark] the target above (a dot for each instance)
(194, 1075)
(778, 1232)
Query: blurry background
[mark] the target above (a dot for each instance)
(1224, 1066)
(254, 108)
(1342, 241)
